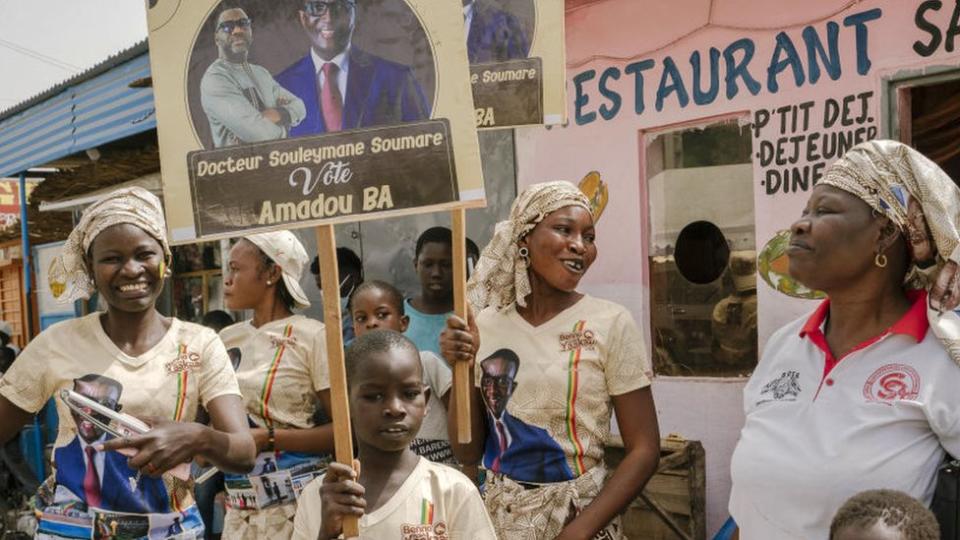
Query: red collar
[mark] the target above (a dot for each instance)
(914, 322)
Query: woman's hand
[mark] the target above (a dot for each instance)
(165, 446)
(945, 293)
(459, 343)
(460, 340)
(340, 495)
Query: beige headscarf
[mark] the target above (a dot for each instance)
(888, 176)
(501, 274)
(68, 276)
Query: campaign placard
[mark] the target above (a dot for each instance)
(285, 114)
(517, 61)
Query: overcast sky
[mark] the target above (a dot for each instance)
(44, 42)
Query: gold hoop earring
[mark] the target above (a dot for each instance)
(880, 260)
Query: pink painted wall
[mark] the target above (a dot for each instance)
(617, 33)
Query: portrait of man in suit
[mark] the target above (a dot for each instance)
(342, 86)
(242, 101)
(493, 35)
(102, 479)
(514, 448)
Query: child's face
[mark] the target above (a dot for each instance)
(374, 309)
(388, 400)
(434, 267)
(878, 531)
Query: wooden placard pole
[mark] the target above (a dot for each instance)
(461, 372)
(342, 434)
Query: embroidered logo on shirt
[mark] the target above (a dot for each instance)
(185, 361)
(283, 341)
(580, 339)
(436, 531)
(892, 382)
(783, 388)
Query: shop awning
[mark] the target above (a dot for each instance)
(149, 181)
(93, 108)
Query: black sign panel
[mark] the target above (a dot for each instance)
(310, 179)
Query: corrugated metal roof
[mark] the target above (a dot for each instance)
(117, 59)
(95, 107)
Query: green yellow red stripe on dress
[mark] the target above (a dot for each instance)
(181, 389)
(426, 512)
(272, 375)
(573, 380)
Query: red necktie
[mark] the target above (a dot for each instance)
(503, 447)
(331, 102)
(91, 481)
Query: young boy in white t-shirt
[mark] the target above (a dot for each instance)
(376, 305)
(398, 494)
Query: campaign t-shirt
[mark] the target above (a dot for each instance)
(432, 441)
(280, 367)
(549, 416)
(435, 502)
(186, 368)
(424, 328)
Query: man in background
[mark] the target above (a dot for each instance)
(351, 274)
(242, 101)
(342, 86)
(428, 310)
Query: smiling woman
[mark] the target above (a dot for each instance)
(157, 369)
(555, 364)
(113, 253)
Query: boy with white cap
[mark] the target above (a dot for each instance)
(283, 377)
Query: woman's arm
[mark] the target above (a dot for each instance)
(637, 419)
(12, 419)
(315, 440)
(226, 443)
(233, 449)
(459, 342)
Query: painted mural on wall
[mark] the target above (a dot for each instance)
(773, 268)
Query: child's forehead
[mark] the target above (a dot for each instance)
(375, 295)
(392, 365)
(436, 249)
(878, 530)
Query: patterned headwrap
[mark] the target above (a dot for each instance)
(922, 201)
(68, 275)
(501, 274)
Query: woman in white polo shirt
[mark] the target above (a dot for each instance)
(552, 364)
(862, 393)
(281, 360)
